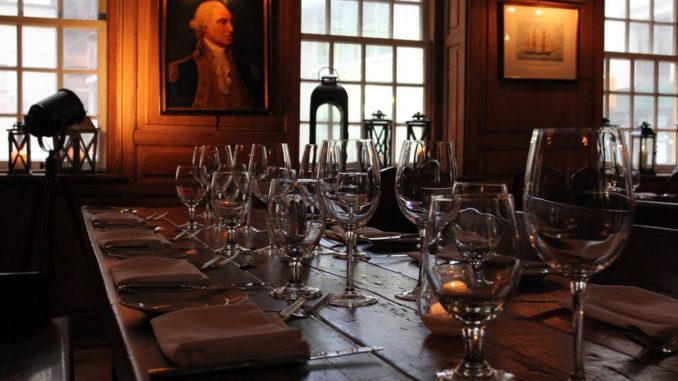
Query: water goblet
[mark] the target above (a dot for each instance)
(231, 201)
(349, 189)
(191, 189)
(578, 205)
(295, 225)
(424, 169)
(211, 158)
(474, 285)
(240, 160)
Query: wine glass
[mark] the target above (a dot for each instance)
(268, 162)
(578, 204)
(474, 285)
(424, 169)
(211, 157)
(308, 165)
(350, 188)
(240, 160)
(295, 224)
(191, 189)
(231, 201)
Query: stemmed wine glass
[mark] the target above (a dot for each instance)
(473, 286)
(211, 158)
(295, 224)
(578, 204)
(231, 201)
(424, 169)
(191, 189)
(350, 188)
(268, 162)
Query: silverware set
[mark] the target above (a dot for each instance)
(667, 347)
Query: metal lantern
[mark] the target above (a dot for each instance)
(80, 148)
(643, 149)
(419, 123)
(19, 149)
(379, 130)
(329, 91)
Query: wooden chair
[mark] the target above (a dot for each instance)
(33, 346)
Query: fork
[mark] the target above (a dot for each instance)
(322, 303)
(292, 308)
(667, 347)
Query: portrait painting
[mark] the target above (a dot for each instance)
(214, 56)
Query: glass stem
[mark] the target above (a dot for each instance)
(473, 343)
(191, 217)
(578, 289)
(295, 270)
(422, 253)
(350, 251)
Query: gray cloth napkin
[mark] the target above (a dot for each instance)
(116, 219)
(219, 335)
(157, 270)
(121, 238)
(338, 234)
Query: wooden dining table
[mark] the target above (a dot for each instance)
(531, 338)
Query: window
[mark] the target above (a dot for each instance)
(378, 49)
(48, 45)
(640, 70)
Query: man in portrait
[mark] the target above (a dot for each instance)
(213, 77)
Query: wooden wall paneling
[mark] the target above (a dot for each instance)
(454, 77)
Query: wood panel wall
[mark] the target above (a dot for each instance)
(499, 114)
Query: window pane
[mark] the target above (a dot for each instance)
(663, 39)
(5, 124)
(667, 77)
(314, 55)
(86, 87)
(344, 17)
(39, 47)
(354, 131)
(666, 152)
(36, 87)
(378, 63)
(41, 8)
(8, 38)
(354, 103)
(407, 22)
(605, 78)
(8, 93)
(639, 9)
(410, 67)
(666, 112)
(9, 7)
(644, 76)
(615, 36)
(377, 98)
(400, 137)
(616, 9)
(663, 10)
(347, 61)
(643, 110)
(376, 19)
(620, 75)
(409, 101)
(620, 110)
(303, 137)
(80, 49)
(81, 9)
(313, 16)
(639, 37)
(305, 99)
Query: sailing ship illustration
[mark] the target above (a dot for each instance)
(541, 41)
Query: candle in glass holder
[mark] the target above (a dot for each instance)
(455, 287)
(439, 322)
(23, 157)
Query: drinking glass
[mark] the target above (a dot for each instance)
(295, 226)
(424, 169)
(350, 188)
(211, 158)
(308, 165)
(240, 160)
(578, 205)
(191, 189)
(268, 162)
(231, 201)
(473, 285)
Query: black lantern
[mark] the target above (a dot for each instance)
(379, 130)
(19, 149)
(643, 149)
(421, 124)
(80, 149)
(329, 91)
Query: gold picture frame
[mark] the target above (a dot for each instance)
(539, 42)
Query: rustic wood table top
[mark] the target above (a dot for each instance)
(531, 339)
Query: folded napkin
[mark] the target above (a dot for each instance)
(156, 270)
(338, 234)
(447, 252)
(121, 238)
(655, 314)
(116, 219)
(220, 335)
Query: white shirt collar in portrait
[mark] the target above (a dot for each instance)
(221, 66)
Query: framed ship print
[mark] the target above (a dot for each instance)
(539, 42)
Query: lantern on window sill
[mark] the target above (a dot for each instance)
(421, 124)
(80, 148)
(643, 149)
(19, 150)
(331, 92)
(378, 129)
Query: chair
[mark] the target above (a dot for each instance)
(388, 216)
(33, 346)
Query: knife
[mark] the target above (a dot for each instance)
(156, 373)
(128, 288)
